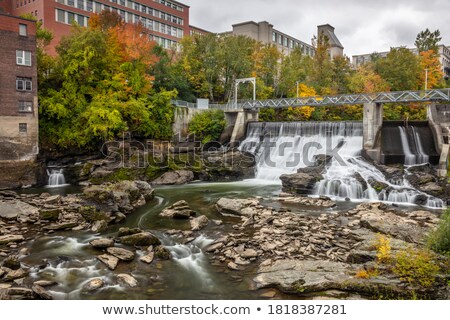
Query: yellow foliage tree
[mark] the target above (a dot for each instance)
(429, 60)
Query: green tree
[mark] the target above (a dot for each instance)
(208, 125)
(400, 69)
(322, 70)
(294, 70)
(427, 40)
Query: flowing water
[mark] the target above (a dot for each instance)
(56, 178)
(282, 148)
(68, 259)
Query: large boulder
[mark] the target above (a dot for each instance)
(122, 254)
(229, 165)
(199, 223)
(179, 210)
(178, 177)
(11, 210)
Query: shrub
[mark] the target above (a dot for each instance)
(208, 125)
(383, 247)
(439, 239)
(416, 267)
(366, 273)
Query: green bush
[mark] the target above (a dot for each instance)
(208, 125)
(416, 267)
(439, 239)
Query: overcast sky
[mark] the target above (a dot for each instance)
(361, 26)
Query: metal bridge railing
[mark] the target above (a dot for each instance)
(336, 100)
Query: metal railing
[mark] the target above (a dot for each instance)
(336, 100)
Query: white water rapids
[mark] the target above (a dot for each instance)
(282, 148)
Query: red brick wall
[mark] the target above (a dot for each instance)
(12, 41)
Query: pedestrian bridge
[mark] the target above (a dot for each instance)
(435, 95)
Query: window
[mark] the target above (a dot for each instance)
(274, 37)
(23, 58)
(71, 3)
(22, 128)
(23, 29)
(80, 20)
(80, 4)
(24, 84)
(280, 39)
(25, 106)
(70, 17)
(60, 16)
(285, 42)
(89, 5)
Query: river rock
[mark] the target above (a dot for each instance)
(140, 239)
(5, 239)
(302, 183)
(102, 243)
(178, 177)
(109, 260)
(50, 214)
(307, 201)
(15, 274)
(45, 283)
(249, 253)
(147, 258)
(125, 231)
(93, 285)
(228, 206)
(199, 223)
(99, 226)
(41, 292)
(162, 253)
(126, 279)
(122, 254)
(12, 209)
(61, 226)
(17, 293)
(11, 262)
(179, 210)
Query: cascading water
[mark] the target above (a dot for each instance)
(412, 146)
(282, 148)
(56, 178)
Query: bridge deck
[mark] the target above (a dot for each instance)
(437, 95)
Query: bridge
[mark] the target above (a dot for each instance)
(435, 95)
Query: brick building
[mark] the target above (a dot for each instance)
(18, 89)
(167, 21)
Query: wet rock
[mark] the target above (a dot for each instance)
(5, 239)
(318, 202)
(17, 293)
(162, 253)
(215, 246)
(140, 239)
(11, 262)
(93, 285)
(102, 243)
(41, 292)
(128, 231)
(45, 283)
(99, 226)
(56, 199)
(61, 226)
(127, 280)
(179, 210)
(122, 254)
(15, 274)
(199, 223)
(109, 260)
(147, 258)
(228, 206)
(174, 178)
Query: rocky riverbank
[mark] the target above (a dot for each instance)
(301, 254)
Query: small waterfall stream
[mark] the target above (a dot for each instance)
(282, 148)
(56, 178)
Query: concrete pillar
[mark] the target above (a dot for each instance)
(240, 125)
(372, 123)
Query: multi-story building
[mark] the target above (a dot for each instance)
(166, 21)
(18, 89)
(444, 58)
(198, 31)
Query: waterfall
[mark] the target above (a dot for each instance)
(410, 158)
(421, 157)
(412, 146)
(56, 178)
(282, 148)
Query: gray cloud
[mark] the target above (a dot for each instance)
(362, 26)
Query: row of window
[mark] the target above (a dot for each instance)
(290, 43)
(170, 5)
(21, 3)
(68, 17)
(93, 6)
(163, 42)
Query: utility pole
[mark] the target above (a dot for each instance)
(296, 83)
(426, 79)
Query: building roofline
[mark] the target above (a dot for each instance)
(245, 22)
(16, 17)
(180, 3)
(326, 25)
(194, 27)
